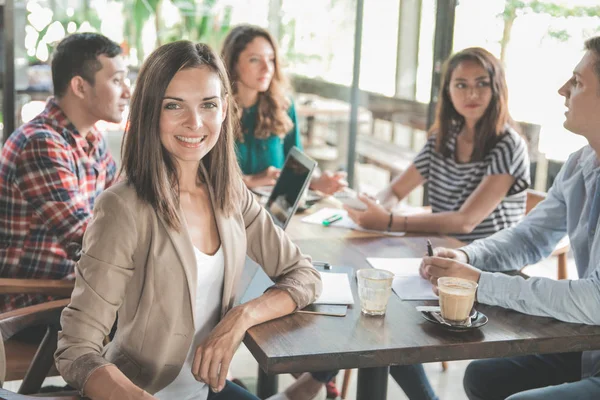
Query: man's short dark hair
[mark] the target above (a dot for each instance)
(77, 55)
(593, 44)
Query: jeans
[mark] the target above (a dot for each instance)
(411, 378)
(324, 376)
(535, 377)
(413, 381)
(231, 391)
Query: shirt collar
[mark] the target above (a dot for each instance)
(88, 142)
(588, 162)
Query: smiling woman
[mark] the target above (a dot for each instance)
(193, 110)
(167, 247)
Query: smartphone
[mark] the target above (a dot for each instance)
(326, 309)
(349, 198)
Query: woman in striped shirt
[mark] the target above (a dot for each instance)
(475, 163)
(476, 166)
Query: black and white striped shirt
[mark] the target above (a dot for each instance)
(451, 182)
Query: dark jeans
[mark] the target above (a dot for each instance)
(324, 376)
(231, 391)
(413, 381)
(411, 378)
(547, 376)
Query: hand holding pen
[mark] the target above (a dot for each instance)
(429, 248)
(422, 271)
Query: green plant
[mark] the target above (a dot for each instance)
(78, 17)
(514, 8)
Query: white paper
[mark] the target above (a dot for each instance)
(413, 288)
(336, 289)
(346, 222)
(397, 266)
(408, 284)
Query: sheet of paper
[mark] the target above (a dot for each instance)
(398, 266)
(324, 213)
(413, 288)
(336, 289)
(408, 284)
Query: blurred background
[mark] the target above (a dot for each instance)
(381, 56)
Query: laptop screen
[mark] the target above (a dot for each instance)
(293, 180)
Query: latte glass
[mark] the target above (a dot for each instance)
(457, 296)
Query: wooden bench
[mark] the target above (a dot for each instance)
(385, 155)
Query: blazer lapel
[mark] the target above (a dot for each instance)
(185, 251)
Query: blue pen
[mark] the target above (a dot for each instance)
(332, 219)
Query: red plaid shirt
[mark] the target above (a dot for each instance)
(50, 176)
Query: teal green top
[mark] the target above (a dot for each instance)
(255, 155)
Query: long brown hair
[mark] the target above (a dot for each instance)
(147, 165)
(492, 125)
(272, 104)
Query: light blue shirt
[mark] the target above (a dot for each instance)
(571, 207)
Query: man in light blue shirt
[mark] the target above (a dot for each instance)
(572, 207)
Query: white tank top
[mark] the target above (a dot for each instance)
(209, 291)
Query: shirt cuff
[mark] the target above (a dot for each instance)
(302, 294)
(79, 371)
(472, 258)
(492, 284)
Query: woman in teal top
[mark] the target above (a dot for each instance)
(256, 155)
(269, 127)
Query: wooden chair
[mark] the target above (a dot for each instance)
(29, 362)
(562, 248)
(7, 395)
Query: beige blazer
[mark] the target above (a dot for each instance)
(132, 263)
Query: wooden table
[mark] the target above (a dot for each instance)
(302, 342)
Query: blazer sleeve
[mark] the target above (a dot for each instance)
(280, 258)
(102, 275)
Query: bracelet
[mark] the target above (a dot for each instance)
(390, 222)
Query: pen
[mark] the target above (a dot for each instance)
(429, 248)
(332, 219)
(323, 264)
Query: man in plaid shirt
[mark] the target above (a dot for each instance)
(53, 168)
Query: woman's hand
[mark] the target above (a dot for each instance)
(109, 383)
(452, 254)
(329, 183)
(374, 217)
(266, 178)
(436, 267)
(213, 356)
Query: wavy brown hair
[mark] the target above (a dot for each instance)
(147, 165)
(492, 125)
(273, 104)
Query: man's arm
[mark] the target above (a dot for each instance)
(534, 238)
(566, 300)
(46, 176)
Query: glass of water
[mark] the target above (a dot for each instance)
(374, 288)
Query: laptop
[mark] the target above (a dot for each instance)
(290, 186)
